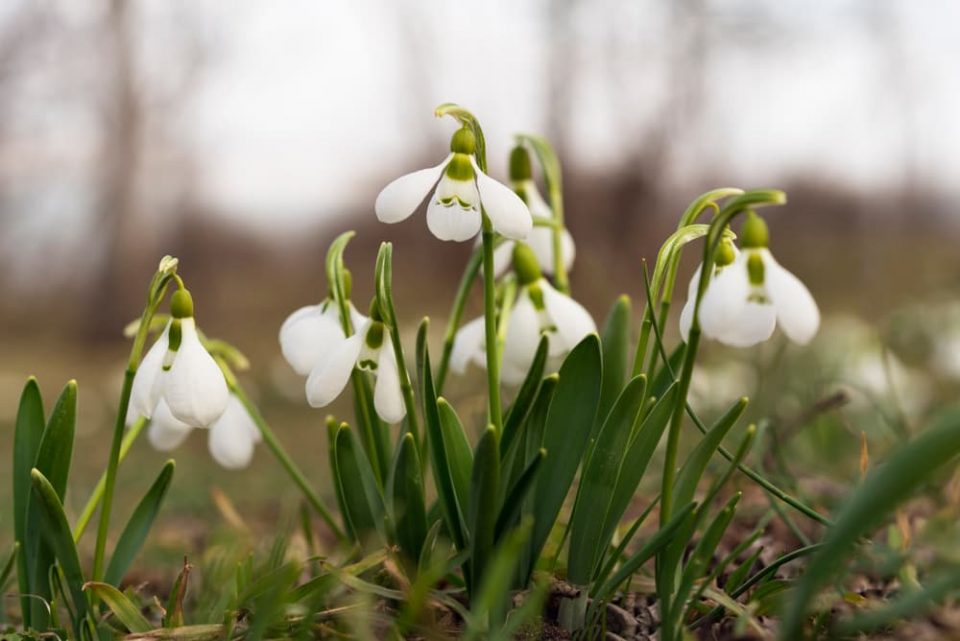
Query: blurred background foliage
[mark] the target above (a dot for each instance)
(243, 136)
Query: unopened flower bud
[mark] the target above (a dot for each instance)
(525, 263)
(754, 233)
(181, 304)
(463, 141)
(726, 253)
(520, 167)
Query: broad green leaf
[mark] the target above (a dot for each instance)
(880, 493)
(406, 498)
(451, 509)
(598, 481)
(696, 463)
(567, 431)
(26, 443)
(122, 607)
(483, 511)
(515, 497)
(615, 339)
(135, 533)
(532, 446)
(56, 533)
(361, 497)
(459, 454)
(636, 459)
(525, 396)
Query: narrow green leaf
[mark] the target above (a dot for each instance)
(122, 607)
(332, 428)
(568, 427)
(665, 375)
(525, 396)
(696, 463)
(459, 454)
(55, 531)
(513, 503)
(533, 445)
(26, 443)
(420, 350)
(615, 339)
(598, 481)
(173, 618)
(484, 491)
(884, 488)
(409, 514)
(908, 605)
(359, 487)
(137, 528)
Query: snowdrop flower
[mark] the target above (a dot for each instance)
(726, 254)
(370, 349)
(309, 332)
(454, 212)
(539, 309)
(178, 376)
(232, 436)
(540, 239)
(747, 299)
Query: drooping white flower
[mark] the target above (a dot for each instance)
(309, 332)
(539, 309)
(454, 211)
(233, 436)
(370, 349)
(179, 373)
(540, 239)
(747, 299)
(726, 254)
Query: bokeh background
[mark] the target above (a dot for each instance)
(243, 136)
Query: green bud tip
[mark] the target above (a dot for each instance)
(375, 311)
(725, 253)
(525, 264)
(463, 141)
(520, 167)
(754, 233)
(181, 304)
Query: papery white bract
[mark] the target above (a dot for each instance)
(369, 349)
(740, 311)
(233, 436)
(540, 238)
(309, 332)
(462, 192)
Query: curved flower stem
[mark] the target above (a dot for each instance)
(490, 326)
(456, 315)
(97, 495)
(270, 439)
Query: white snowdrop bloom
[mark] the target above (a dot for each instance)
(233, 436)
(166, 432)
(370, 349)
(539, 309)
(726, 254)
(310, 331)
(454, 211)
(747, 299)
(179, 371)
(540, 239)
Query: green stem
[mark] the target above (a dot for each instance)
(270, 439)
(97, 495)
(559, 265)
(456, 315)
(490, 325)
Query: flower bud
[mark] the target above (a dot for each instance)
(726, 254)
(463, 141)
(520, 167)
(754, 233)
(525, 263)
(181, 304)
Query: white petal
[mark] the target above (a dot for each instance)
(755, 325)
(232, 436)
(330, 376)
(166, 432)
(523, 337)
(194, 387)
(387, 395)
(535, 203)
(502, 257)
(469, 346)
(540, 241)
(308, 334)
(572, 320)
(686, 314)
(506, 210)
(357, 319)
(725, 299)
(797, 312)
(401, 198)
(145, 392)
(451, 221)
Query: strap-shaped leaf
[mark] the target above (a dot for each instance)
(26, 443)
(137, 528)
(569, 423)
(407, 508)
(521, 406)
(484, 489)
(122, 607)
(361, 496)
(615, 339)
(598, 481)
(459, 454)
(56, 534)
(513, 503)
